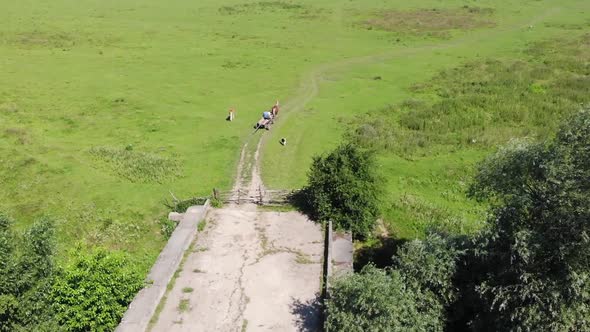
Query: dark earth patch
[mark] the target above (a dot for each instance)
(261, 6)
(297, 10)
(20, 134)
(431, 21)
(8, 107)
(42, 39)
(60, 40)
(569, 26)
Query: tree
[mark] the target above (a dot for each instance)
(7, 245)
(429, 265)
(536, 249)
(38, 250)
(27, 271)
(377, 300)
(343, 187)
(8, 300)
(412, 295)
(528, 270)
(8, 312)
(91, 294)
(94, 291)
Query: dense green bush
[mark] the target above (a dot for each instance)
(376, 300)
(7, 244)
(343, 187)
(413, 295)
(526, 271)
(537, 246)
(38, 249)
(94, 291)
(36, 295)
(181, 206)
(429, 265)
(27, 270)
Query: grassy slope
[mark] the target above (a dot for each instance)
(431, 184)
(160, 76)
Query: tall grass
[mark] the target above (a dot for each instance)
(137, 166)
(463, 113)
(261, 6)
(485, 103)
(420, 216)
(434, 21)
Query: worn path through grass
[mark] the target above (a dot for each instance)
(314, 120)
(309, 89)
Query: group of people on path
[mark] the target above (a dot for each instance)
(267, 115)
(272, 113)
(264, 122)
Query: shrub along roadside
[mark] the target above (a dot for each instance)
(343, 187)
(536, 248)
(37, 295)
(181, 206)
(92, 294)
(526, 271)
(411, 296)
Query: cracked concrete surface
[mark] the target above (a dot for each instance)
(249, 271)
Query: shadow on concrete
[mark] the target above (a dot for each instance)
(308, 314)
(300, 199)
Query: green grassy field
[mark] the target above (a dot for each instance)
(428, 171)
(107, 106)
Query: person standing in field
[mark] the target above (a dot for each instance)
(231, 115)
(275, 109)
